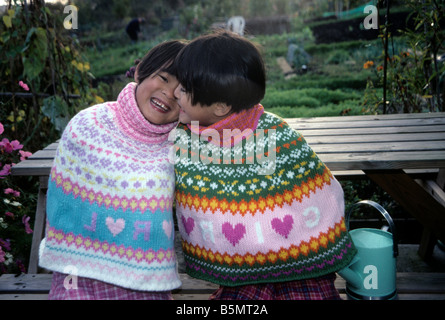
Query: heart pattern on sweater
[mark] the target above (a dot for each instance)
(115, 227)
(189, 224)
(233, 234)
(284, 226)
(167, 226)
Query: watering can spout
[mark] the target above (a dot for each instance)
(351, 276)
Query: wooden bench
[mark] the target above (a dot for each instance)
(410, 286)
(403, 153)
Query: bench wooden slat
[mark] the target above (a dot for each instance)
(368, 130)
(52, 146)
(396, 117)
(25, 283)
(421, 282)
(402, 137)
(390, 123)
(24, 296)
(43, 154)
(383, 160)
(377, 147)
(39, 167)
(425, 174)
(411, 296)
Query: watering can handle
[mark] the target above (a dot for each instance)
(385, 214)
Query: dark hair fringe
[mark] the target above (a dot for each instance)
(222, 67)
(159, 58)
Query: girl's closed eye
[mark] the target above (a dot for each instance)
(164, 78)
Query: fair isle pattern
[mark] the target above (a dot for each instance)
(109, 249)
(284, 254)
(134, 204)
(110, 197)
(273, 272)
(240, 227)
(253, 206)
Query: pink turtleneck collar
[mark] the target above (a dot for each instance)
(246, 119)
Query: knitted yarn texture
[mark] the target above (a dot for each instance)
(240, 226)
(110, 198)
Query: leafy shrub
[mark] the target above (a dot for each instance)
(39, 51)
(289, 98)
(311, 97)
(337, 57)
(349, 81)
(351, 107)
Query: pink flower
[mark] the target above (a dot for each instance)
(1, 128)
(24, 85)
(2, 255)
(5, 171)
(24, 155)
(10, 146)
(25, 221)
(9, 214)
(12, 191)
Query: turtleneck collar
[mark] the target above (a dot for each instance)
(246, 119)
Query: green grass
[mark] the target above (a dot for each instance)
(312, 102)
(329, 110)
(116, 60)
(310, 97)
(334, 84)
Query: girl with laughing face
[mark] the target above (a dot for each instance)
(111, 189)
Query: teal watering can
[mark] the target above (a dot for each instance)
(371, 275)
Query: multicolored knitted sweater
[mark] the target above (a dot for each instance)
(260, 207)
(110, 199)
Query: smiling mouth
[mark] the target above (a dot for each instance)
(160, 106)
